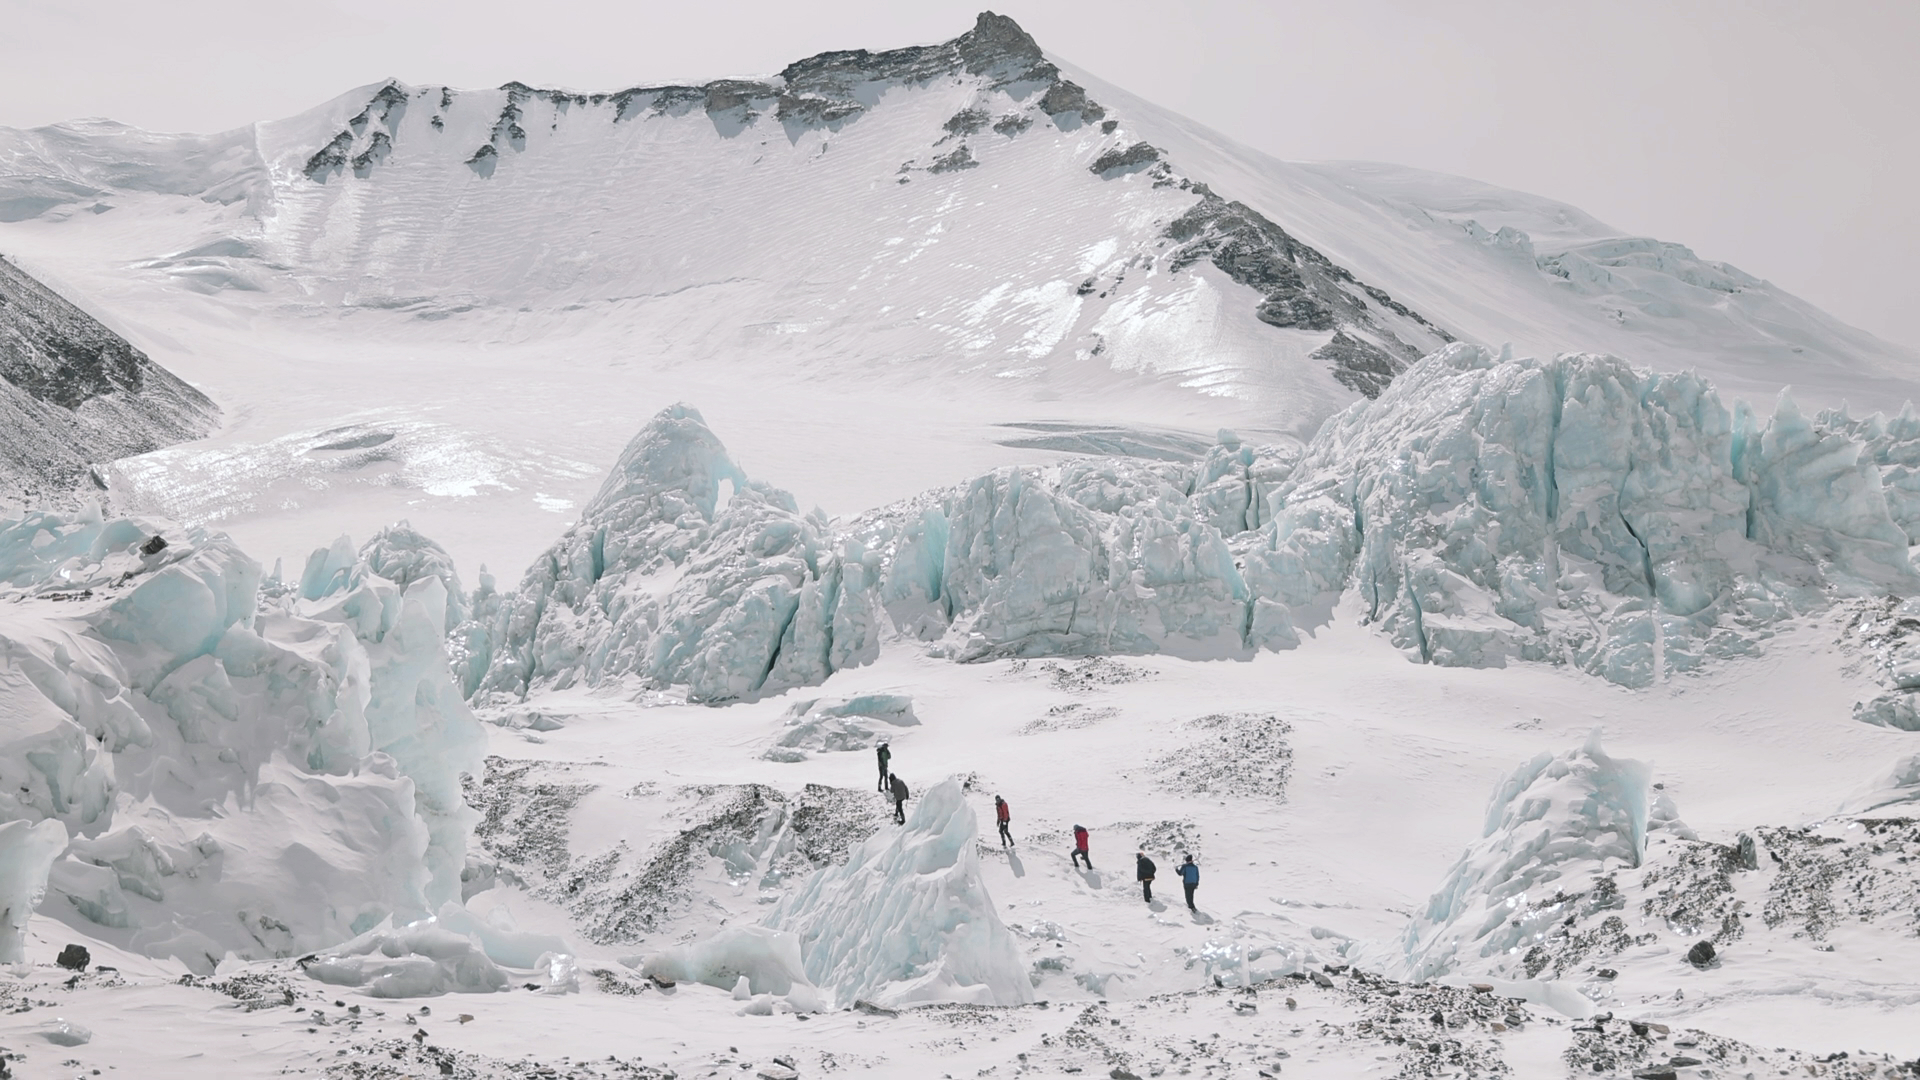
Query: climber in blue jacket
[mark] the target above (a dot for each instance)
(1190, 878)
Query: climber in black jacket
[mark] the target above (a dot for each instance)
(899, 800)
(1143, 869)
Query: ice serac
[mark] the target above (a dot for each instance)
(907, 919)
(1482, 510)
(1096, 556)
(682, 572)
(1553, 826)
(27, 851)
(1576, 510)
(74, 394)
(260, 779)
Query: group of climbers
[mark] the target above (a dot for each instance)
(1143, 870)
(891, 784)
(1003, 814)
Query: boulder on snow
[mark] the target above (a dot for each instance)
(1701, 955)
(74, 958)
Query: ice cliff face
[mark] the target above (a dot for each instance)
(1582, 511)
(216, 762)
(74, 394)
(683, 572)
(1483, 510)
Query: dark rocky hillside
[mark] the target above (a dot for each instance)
(74, 394)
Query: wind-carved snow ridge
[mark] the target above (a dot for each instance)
(907, 919)
(662, 581)
(1554, 825)
(236, 777)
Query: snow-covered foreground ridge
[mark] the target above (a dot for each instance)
(1484, 510)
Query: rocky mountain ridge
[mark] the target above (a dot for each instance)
(74, 394)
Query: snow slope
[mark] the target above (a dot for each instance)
(951, 237)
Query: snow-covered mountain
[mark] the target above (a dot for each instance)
(962, 235)
(74, 395)
(1170, 491)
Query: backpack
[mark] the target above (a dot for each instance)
(1001, 810)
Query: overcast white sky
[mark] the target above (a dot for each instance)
(1778, 136)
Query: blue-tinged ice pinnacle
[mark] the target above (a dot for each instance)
(664, 580)
(216, 763)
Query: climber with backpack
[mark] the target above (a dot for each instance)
(885, 754)
(1004, 816)
(1143, 869)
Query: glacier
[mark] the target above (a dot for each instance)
(1483, 510)
(220, 758)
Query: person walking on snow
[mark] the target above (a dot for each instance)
(885, 754)
(899, 800)
(1080, 847)
(1190, 878)
(1005, 816)
(1143, 869)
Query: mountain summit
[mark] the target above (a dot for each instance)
(941, 232)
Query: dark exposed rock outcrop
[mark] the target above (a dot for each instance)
(1124, 160)
(1302, 288)
(74, 394)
